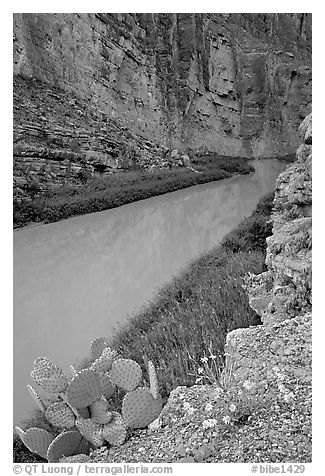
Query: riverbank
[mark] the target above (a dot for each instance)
(114, 190)
(206, 300)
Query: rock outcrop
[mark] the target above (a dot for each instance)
(95, 92)
(284, 291)
(261, 408)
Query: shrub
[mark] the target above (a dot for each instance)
(102, 193)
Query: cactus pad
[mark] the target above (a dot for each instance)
(107, 387)
(154, 387)
(109, 353)
(49, 376)
(126, 374)
(84, 412)
(99, 411)
(115, 431)
(36, 398)
(97, 346)
(37, 440)
(60, 415)
(104, 362)
(84, 389)
(65, 444)
(140, 408)
(43, 401)
(92, 431)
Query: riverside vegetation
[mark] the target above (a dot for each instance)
(116, 189)
(189, 318)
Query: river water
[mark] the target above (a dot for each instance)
(80, 278)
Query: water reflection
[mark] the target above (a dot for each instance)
(77, 279)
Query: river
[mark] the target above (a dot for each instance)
(80, 278)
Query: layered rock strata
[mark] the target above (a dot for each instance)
(101, 91)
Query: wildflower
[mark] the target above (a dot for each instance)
(217, 393)
(210, 423)
(232, 407)
(200, 370)
(198, 379)
(226, 419)
(288, 397)
(212, 356)
(208, 407)
(204, 359)
(248, 385)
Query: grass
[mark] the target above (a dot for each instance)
(110, 191)
(189, 318)
(250, 235)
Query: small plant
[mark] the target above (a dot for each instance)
(79, 407)
(208, 371)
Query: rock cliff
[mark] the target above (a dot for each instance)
(94, 92)
(284, 291)
(262, 409)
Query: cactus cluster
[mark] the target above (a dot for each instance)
(79, 406)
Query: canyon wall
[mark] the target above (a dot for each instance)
(91, 90)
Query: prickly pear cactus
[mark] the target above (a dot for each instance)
(42, 401)
(99, 411)
(84, 389)
(105, 361)
(115, 432)
(49, 376)
(80, 406)
(140, 408)
(108, 388)
(36, 440)
(91, 430)
(126, 374)
(66, 444)
(60, 415)
(97, 346)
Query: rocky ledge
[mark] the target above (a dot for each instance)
(284, 291)
(261, 408)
